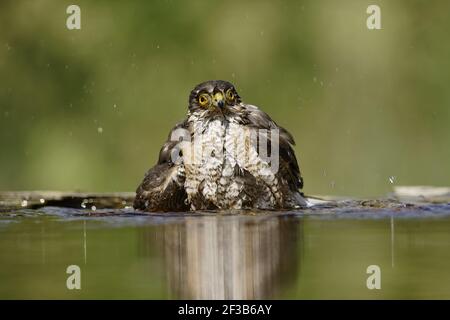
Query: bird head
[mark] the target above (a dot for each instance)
(214, 95)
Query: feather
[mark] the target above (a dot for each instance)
(289, 168)
(163, 186)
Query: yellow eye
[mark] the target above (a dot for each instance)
(230, 95)
(203, 100)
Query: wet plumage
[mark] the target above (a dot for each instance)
(216, 159)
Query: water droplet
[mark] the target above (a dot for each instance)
(24, 203)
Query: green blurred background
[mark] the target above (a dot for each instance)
(89, 109)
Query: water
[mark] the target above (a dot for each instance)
(318, 253)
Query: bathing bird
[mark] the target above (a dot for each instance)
(225, 155)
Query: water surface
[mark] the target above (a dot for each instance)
(317, 253)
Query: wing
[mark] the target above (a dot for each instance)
(288, 165)
(163, 186)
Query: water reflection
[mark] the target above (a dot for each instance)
(321, 256)
(231, 257)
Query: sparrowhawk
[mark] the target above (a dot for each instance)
(225, 155)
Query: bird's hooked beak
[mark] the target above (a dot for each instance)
(218, 100)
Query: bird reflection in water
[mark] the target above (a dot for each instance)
(231, 256)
